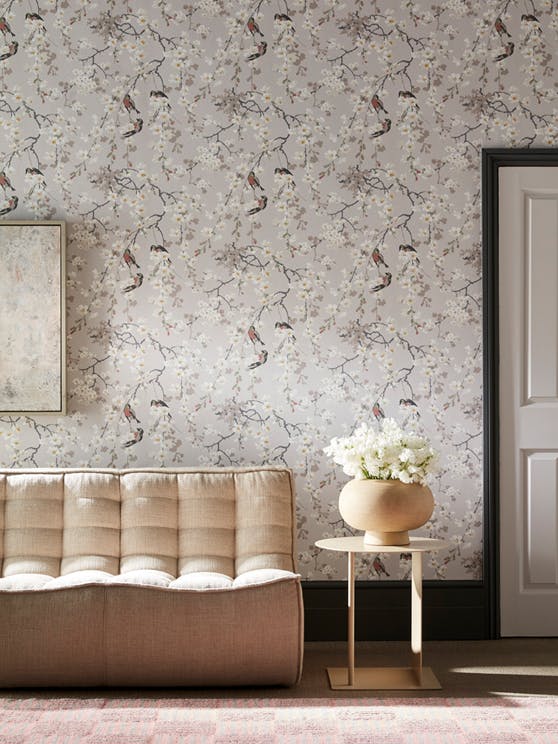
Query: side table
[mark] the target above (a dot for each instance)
(415, 677)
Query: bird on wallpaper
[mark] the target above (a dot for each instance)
(137, 126)
(528, 18)
(5, 182)
(129, 104)
(508, 51)
(378, 258)
(284, 20)
(261, 49)
(285, 328)
(407, 97)
(35, 21)
(158, 404)
(158, 95)
(377, 411)
(160, 99)
(377, 104)
(254, 336)
(407, 402)
(262, 359)
(5, 28)
(129, 414)
(137, 436)
(386, 281)
(410, 405)
(137, 281)
(283, 172)
(129, 259)
(253, 181)
(386, 126)
(407, 248)
(36, 177)
(13, 46)
(10, 206)
(260, 204)
(501, 28)
(253, 27)
(378, 566)
(406, 556)
(162, 252)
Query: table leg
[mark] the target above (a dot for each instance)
(351, 619)
(416, 615)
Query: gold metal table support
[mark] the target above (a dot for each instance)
(414, 677)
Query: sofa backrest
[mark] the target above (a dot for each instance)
(55, 521)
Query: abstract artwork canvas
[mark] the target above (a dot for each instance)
(32, 317)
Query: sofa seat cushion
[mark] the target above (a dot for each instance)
(197, 581)
(24, 582)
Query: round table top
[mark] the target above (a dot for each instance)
(356, 545)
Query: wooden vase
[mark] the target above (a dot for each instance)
(385, 509)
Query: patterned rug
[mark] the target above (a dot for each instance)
(125, 719)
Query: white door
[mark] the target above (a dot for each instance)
(528, 277)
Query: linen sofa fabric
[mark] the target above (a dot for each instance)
(206, 523)
(33, 520)
(264, 521)
(149, 522)
(149, 577)
(91, 538)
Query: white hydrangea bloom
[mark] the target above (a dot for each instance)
(387, 454)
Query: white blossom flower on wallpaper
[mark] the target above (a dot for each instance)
(273, 212)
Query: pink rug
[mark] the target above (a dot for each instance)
(125, 719)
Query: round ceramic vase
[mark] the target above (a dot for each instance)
(385, 509)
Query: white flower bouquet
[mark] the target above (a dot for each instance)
(387, 454)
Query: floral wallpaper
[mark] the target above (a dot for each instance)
(273, 211)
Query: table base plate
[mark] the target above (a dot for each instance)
(383, 678)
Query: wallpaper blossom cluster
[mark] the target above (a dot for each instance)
(273, 210)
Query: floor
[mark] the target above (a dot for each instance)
(464, 668)
(493, 692)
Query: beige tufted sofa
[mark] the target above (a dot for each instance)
(148, 577)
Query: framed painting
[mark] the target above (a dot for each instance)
(32, 318)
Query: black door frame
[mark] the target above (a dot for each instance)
(492, 160)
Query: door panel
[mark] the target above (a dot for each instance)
(528, 290)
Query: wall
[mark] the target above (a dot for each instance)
(140, 127)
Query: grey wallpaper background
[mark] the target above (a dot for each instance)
(274, 229)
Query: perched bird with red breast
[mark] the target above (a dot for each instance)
(377, 104)
(378, 566)
(386, 126)
(129, 259)
(377, 412)
(137, 126)
(260, 204)
(378, 258)
(137, 281)
(500, 27)
(386, 281)
(261, 49)
(508, 51)
(262, 359)
(129, 414)
(253, 181)
(253, 27)
(5, 182)
(254, 336)
(13, 46)
(5, 27)
(10, 206)
(129, 104)
(137, 436)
